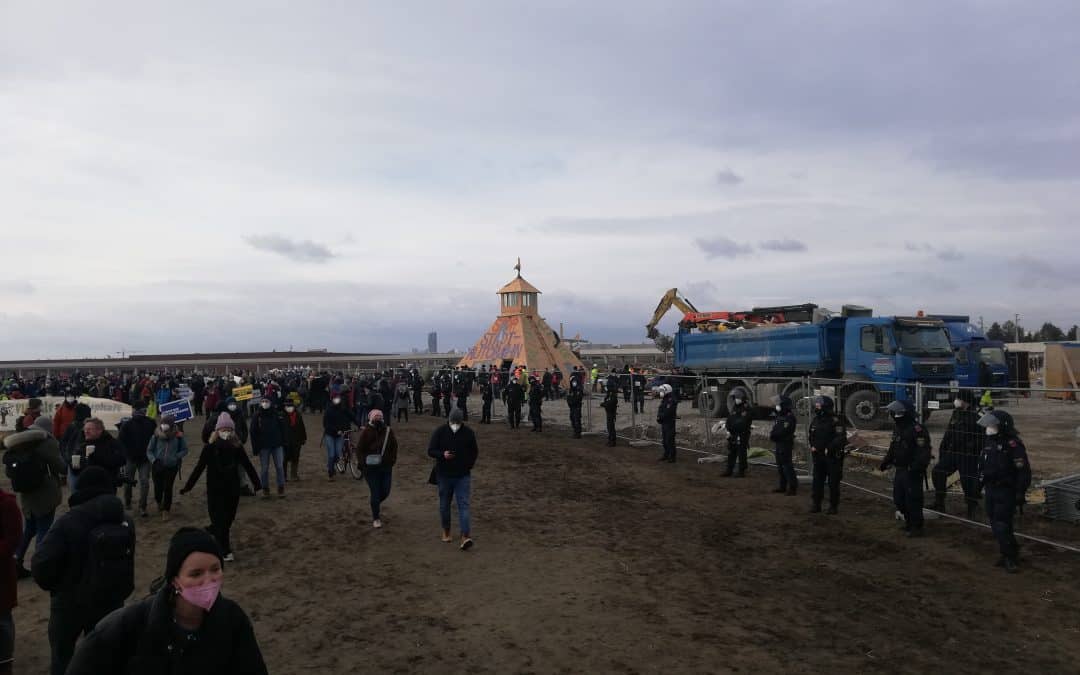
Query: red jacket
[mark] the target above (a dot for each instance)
(62, 419)
(11, 530)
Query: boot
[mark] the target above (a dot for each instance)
(1010, 566)
(266, 493)
(281, 491)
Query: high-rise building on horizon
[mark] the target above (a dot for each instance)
(433, 343)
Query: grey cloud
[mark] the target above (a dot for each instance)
(1008, 158)
(728, 177)
(297, 250)
(946, 254)
(783, 245)
(722, 247)
(19, 286)
(949, 254)
(918, 247)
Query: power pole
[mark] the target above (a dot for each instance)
(1016, 326)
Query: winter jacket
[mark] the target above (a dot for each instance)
(266, 430)
(166, 449)
(62, 419)
(135, 435)
(336, 419)
(45, 499)
(11, 531)
(370, 442)
(462, 444)
(238, 417)
(221, 460)
(142, 640)
(59, 560)
(108, 454)
(292, 426)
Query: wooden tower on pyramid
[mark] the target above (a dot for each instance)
(520, 336)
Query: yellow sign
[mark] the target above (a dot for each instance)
(243, 393)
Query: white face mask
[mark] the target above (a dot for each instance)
(738, 401)
(165, 427)
(778, 409)
(265, 405)
(225, 435)
(69, 399)
(958, 404)
(455, 427)
(991, 431)
(289, 409)
(336, 401)
(232, 406)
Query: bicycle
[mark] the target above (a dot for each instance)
(348, 460)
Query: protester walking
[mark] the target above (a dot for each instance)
(295, 438)
(11, 537)
(185, 627)
(86, 562)
(165, 453)
(336, 424)
(377, 449)
(268, 443)
(222, 459)
(32, 461)
(454, 449)
(135, 435)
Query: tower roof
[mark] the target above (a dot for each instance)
(518, 285)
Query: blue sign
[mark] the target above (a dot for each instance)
(180, 410)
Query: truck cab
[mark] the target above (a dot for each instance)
(979, 362)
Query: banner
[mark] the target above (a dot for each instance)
(180, 410)
(243, 393)
(184, 392)
(107, 410)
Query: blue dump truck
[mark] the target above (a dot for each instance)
(979, 362)
(877, 357)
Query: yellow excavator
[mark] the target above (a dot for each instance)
(703, 321)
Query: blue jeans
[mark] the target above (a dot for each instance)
(334, 444)
(378, 481)
(72, 480)
(38, 525)
(459, 490)
(278, 455)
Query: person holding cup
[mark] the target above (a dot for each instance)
(98, 448)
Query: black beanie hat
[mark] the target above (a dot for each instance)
(94, 481)
(186, 541)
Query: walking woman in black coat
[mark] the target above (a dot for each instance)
(221, 459)
(185, 628)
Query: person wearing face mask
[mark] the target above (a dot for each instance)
(268, 443)
(909, 452)
(377, 440)
(827, 438)
(295, 438)
(738, 424)
(536, 405)
(236, 414)
(574, 400)
(135, 435)
(1005, 473)
(336, 424)
(959, 451)
(222, 458)
(665, 417)
(184, 627)
(486, 397)
(165, 451)
(454, 449)
(64, 415)
(783, 436)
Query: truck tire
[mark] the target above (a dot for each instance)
(713, 403)
(863, 410)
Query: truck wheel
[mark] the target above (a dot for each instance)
(713, 403)
(863, 410)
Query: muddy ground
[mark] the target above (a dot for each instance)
(595, 559)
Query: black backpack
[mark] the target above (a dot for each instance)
(109, 575)
(25, 468)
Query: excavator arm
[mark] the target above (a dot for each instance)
(670, 298)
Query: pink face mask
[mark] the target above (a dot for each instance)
(203, 596)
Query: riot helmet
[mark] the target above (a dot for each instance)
(998, 422)
(901, 410)
(740, 396)
(823, 405)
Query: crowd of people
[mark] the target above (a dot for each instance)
(85, 558)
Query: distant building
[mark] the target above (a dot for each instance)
(433, 343)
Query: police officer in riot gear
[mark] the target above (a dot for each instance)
(959, 451)
(783, 436)
(637, 379)
(436, 396)
(665, 417)
(738, 428)
(909, 452)
(574, 399)
(1005, 474)
(827, 438)
(514, 397)
(486, 396)
(417, 385)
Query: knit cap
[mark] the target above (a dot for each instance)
(186, 541)
(224, 421)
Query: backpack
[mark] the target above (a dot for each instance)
(109, 575)
(25, 468)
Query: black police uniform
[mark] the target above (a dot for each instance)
(827, 437)
(536, 402)
(738, 428)
(514, 396)
(418, 394)
(909, 452)
(1006, 475)
(574, 399)
(611, 409)
(959, 451)
(436, 395)
(665, 417)
(783, 436)
(486, 396)
(638, 381)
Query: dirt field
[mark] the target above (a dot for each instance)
(595, 559)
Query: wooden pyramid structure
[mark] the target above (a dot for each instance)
(520, 336)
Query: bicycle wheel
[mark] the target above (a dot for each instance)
(355, 468)
(341, 462)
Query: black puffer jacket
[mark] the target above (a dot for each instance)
(135, 435)
(141, 640)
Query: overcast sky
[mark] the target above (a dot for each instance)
(205, 176)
